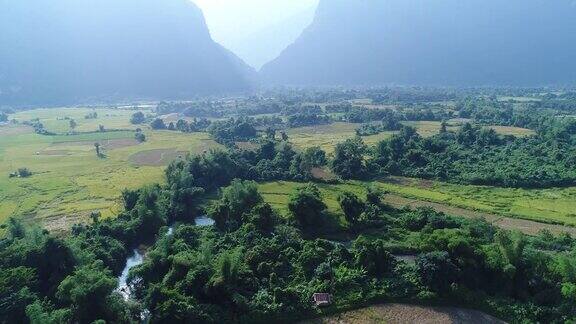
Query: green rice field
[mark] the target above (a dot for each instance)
(556, 206)
(327, 136)
(69, 180)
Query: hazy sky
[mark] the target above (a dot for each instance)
(233, 20)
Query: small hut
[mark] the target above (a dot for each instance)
(322, 299)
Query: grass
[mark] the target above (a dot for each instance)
(54, 119)
(69, 180)
(431, 128)
(278, 194)
(516, 131)
(555, 205)
(543, 205)
(327, 136)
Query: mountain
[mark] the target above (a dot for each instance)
(433, 42)
(68, 51)
(266, 44)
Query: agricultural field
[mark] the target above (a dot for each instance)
(431, 128)
(69, 180)
(518, 99)
(402, 313)
(327, 136)
(57, 120)
(521, 209)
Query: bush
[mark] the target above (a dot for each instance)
(24, 173)
(307, 207)
(137, 118)
(158, 124)
(140, 137)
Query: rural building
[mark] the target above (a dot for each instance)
(322, 299)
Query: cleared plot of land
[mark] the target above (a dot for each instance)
(8, 129)
(157, 157)
(451, 199)
(525, 226)
(327, 136)
(516, 131)
(403, 314)
(57, 120)
(518, 99)
(69, 180)
(554, 205)
(105, 144)
(248, 146)
(431, 128)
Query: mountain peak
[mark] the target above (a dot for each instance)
(111, 49)
(423, 42)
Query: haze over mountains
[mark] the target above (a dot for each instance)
(69, 51)
(257, 30)
(423, 42)
(266, 44)
(64, 51)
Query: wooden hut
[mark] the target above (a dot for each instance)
(322, 299)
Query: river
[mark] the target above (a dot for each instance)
(137, 258)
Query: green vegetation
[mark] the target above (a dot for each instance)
(58, 119)
(137, 118)
(542, 205)
(255, 266)
(327, 136)
(69, 179)
(553, 205)
(431, 128)
(296, 210)
(475, 155)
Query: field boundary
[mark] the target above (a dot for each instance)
(526, 226)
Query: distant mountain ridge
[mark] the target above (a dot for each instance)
(68, 51)
(433, 42)
(265, 45)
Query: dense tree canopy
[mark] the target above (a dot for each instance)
(477, 155)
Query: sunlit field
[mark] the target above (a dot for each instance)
(69, 180)
(431, 128)
(555, 206)
(327, 136)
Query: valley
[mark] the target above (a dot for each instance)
(287, 161)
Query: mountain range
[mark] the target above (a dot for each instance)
(73, 51)
(68, 51)
(433, 42)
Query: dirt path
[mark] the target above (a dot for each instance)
(525, 226)
(409, 314)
